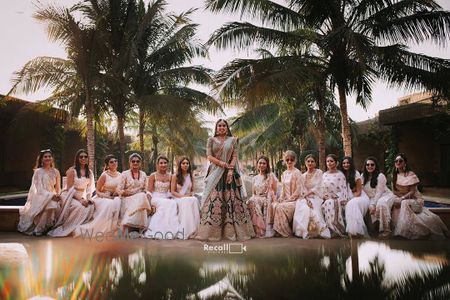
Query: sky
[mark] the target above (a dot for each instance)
(22, 38)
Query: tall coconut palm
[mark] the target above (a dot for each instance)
(74, 77)
(360, 41)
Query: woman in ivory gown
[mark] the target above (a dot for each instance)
(308, 219)
(224, 215)
(135, 206)
(77, 206)
(381, 198)
(335, 196)
(358, 203)
(164, 224)
(182, 189)
(42, 207)
(414, 220)
(106, 202)
(264, 187)
(282, 211)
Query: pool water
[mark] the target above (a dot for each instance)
(276, 268)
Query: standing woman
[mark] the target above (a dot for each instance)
(134, 202)
(224, 213)
(182, 189)
(381, 198)
(414, 220)
(308, 218)
(106, 201)
(164, 223)
(358, 203)
(335, 196)
(77, 205)
(292, 188)
(264, 189)
(42, 207)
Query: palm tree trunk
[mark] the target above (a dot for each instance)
(346, 134)
(141, 135)
(321, 128)
(155, 149)
(121, 130)
(90, 134)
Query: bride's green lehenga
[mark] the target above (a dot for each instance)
(224, 215)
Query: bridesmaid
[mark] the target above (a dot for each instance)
(164, 223)
(308, 219)
(414, 220)
(77, 205)
(224, 213)
(135, 205)
(42, 207)
(358, 203)
(292, 189)
(381, 198)
(264, 189)
(182, 189)
(335, 195)
(106, 202)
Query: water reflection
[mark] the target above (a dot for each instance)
(64, 269)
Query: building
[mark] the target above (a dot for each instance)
(418, 127)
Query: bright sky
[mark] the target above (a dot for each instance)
(23, 38)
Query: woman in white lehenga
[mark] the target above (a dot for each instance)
(308, 219)
(77, 206)
(42, 207)
(381, 198)
(182, 189)
(135, 206)
(106, 202)
(335, 196)
(414, 220)
(358, 203)
(264, 189)
(164, 223)
(292, 188)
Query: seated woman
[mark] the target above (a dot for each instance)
(164, 223)
(292, 188)
(182, 189)
(77, 206)
(358, 203)
(106, 202)
(414, 221)
(381, 198)
(135, 206)
(308, 219)
(264, 189)
(335, 196)
(42, 207)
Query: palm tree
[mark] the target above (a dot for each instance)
(358, 41)
(72, 79)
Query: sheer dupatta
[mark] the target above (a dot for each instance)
(215, 172)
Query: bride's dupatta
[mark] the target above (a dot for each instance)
(215, 173)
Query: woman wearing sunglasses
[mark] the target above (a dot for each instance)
(41, 209)
(77, 206)
(135, 206)
(381, 198)
(107, 204)
(414, 221)
(282, 211)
